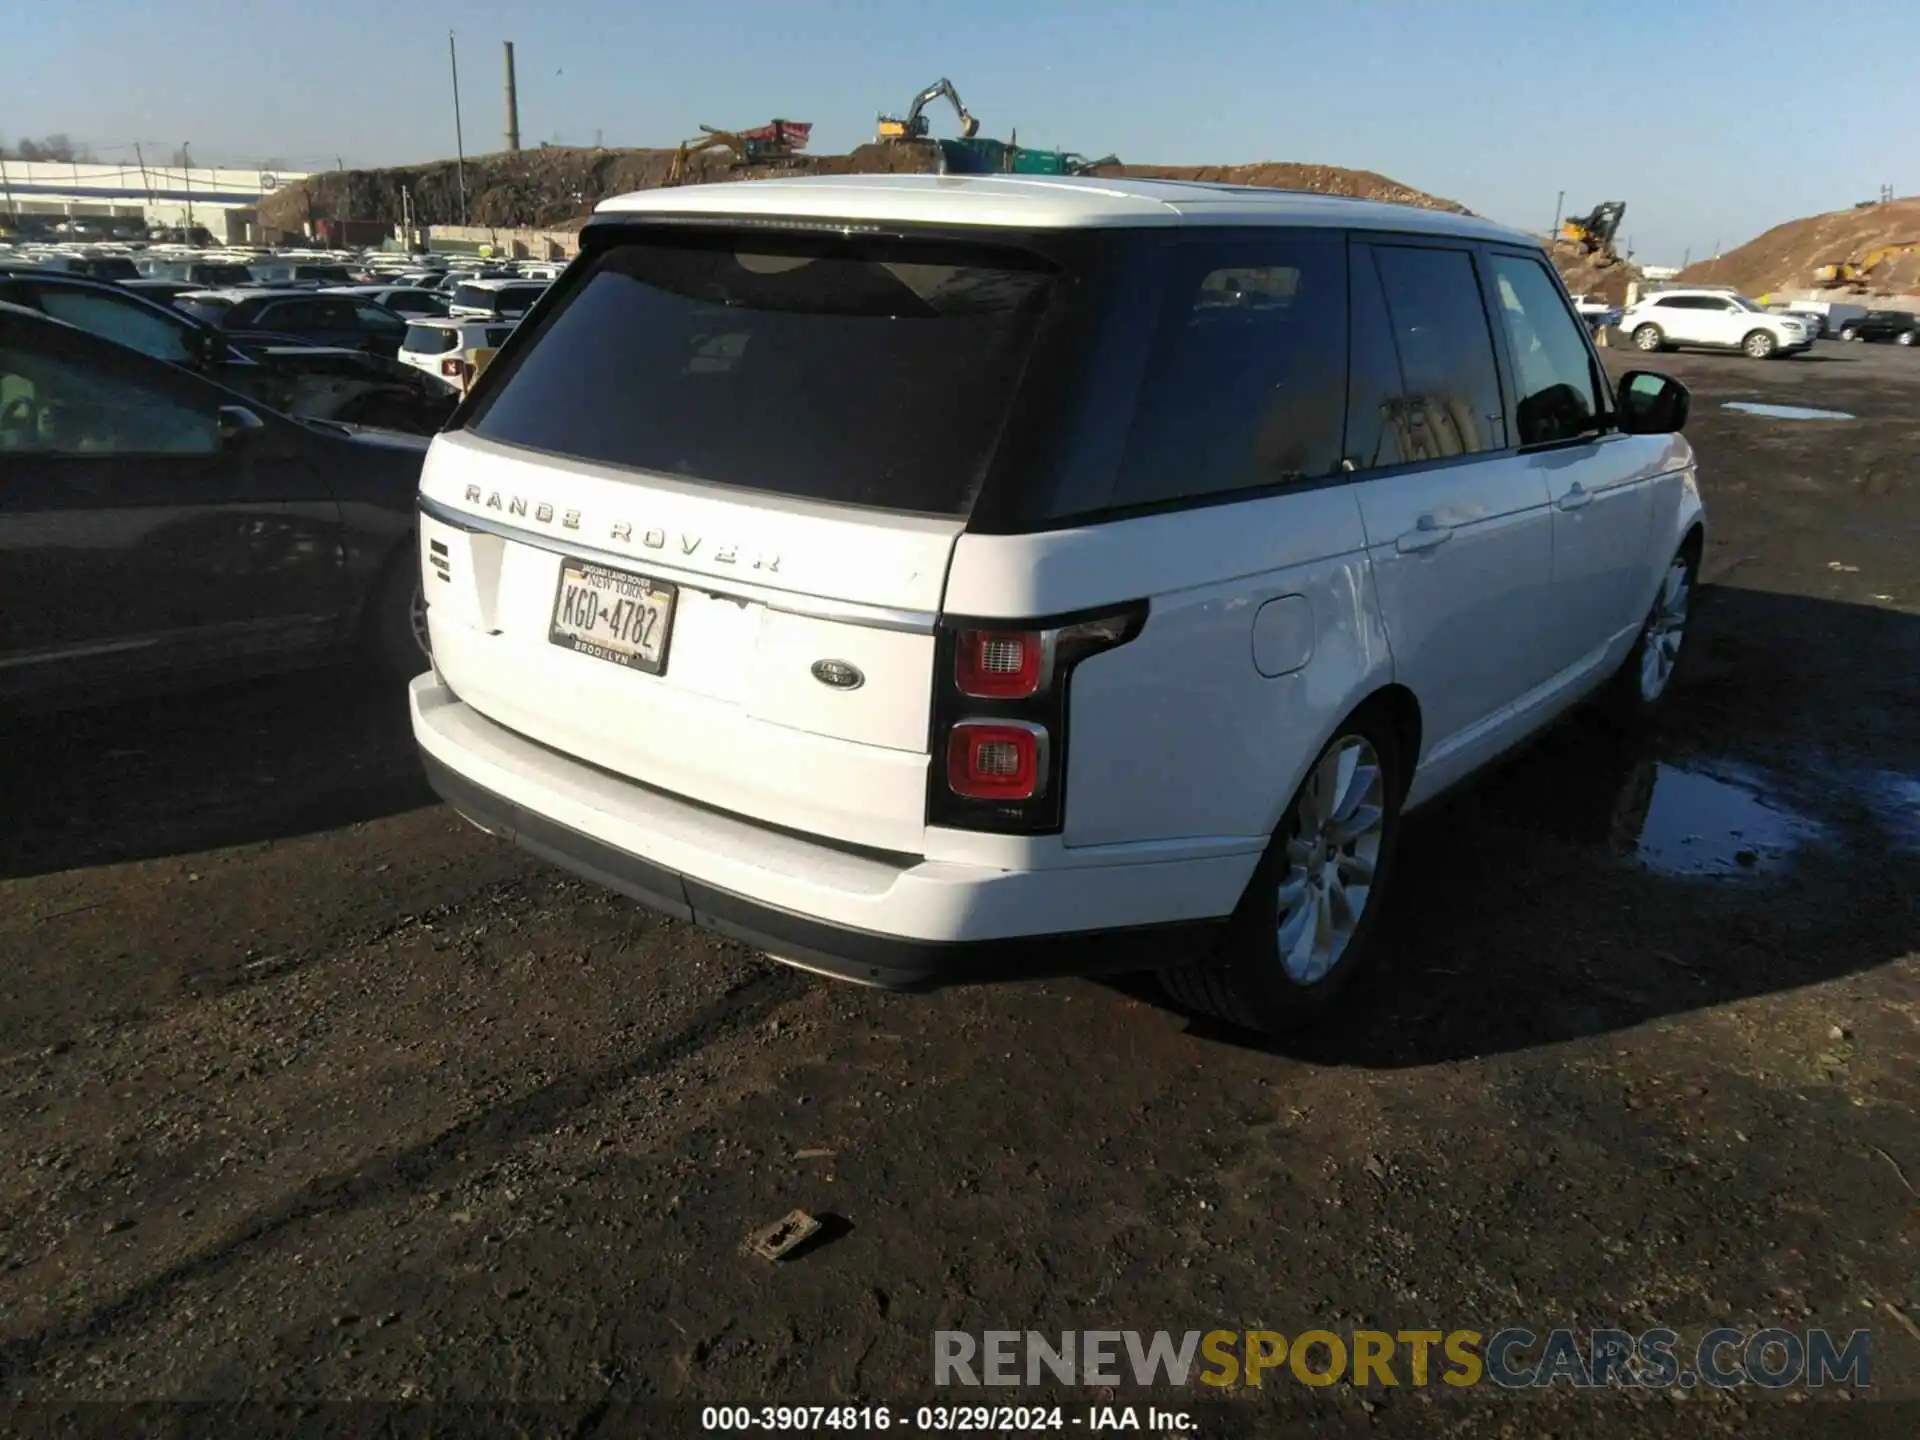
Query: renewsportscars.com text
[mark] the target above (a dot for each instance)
(1514, 1358)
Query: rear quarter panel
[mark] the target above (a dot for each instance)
(1177, 735)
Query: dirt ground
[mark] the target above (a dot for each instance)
(313, 1093)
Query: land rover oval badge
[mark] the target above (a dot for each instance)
(839, 674)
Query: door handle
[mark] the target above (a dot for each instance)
(1576, 496)
(1427, 534)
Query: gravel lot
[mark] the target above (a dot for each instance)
(313, 1092)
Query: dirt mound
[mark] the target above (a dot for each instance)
(552, 186)
(1322, 179)
(1784, 258)
(1585, 275)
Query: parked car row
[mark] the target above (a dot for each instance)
(286, 372)
(827, 587)
(159, 529)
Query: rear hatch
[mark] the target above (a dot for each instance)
(695, 524)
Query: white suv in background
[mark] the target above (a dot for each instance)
(926, 579)
(494, 299)
(1714, 320)
(452, 351)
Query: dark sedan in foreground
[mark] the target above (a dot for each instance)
(158, 530)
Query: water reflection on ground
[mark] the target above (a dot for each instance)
(1783, 412)
(1692, 822)
(1692, 817)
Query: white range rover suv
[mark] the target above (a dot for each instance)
(1714, 320)
(927, 579)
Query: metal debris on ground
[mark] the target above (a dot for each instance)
(780, 1239)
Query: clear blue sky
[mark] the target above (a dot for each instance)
(1706, 118)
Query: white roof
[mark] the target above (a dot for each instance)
(237, 293)
(1717, 292)
(456, 322)
(1043, 202)
(500, 283)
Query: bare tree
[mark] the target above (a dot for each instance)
(51, 147)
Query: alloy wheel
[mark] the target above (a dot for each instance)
(1330, 858)
(1666, 629)
(417, 620)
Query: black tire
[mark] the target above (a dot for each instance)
(1849, 332)
(1626, 701)
(1905, 337)
(1649, 338)
(1245, 982)
(391, 642)
(1760, 345)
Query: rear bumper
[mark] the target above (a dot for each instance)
(927, 924)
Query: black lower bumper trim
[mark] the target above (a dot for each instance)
(889, 961)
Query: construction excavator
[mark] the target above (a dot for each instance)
(890, 129)
(778, 142)
(1855, 274)
(1594, 231)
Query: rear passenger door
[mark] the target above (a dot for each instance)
(1683, 319)
(1596, 478)
(1458, 526)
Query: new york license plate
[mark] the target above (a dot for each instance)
(613, 615)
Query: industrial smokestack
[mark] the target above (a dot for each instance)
(513, 104)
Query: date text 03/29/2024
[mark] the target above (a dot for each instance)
(945, 1419)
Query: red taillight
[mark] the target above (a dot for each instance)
(998, 664)
(996, 761)
(1000, 713)
(453, 369)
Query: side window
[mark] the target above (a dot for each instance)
(1246, 383)
(131, 325)
(63, 407)
(334, 315)
(291, 315)
(1376, 405)
(1452, 386)
(1553, 374)
(373, 318)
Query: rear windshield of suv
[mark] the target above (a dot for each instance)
(861, 372)
(429, 340)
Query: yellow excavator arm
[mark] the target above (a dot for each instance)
(914, 125)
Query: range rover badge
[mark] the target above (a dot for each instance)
(839, 674)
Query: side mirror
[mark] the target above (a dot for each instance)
(237, 422)
(1649, 403)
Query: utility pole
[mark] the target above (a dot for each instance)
(186, 177)
(6, 185)
(459, 144)
(146, 183)
(1557, 204)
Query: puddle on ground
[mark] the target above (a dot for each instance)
(1676, 821)
(1784, 412)
(1701, 819)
